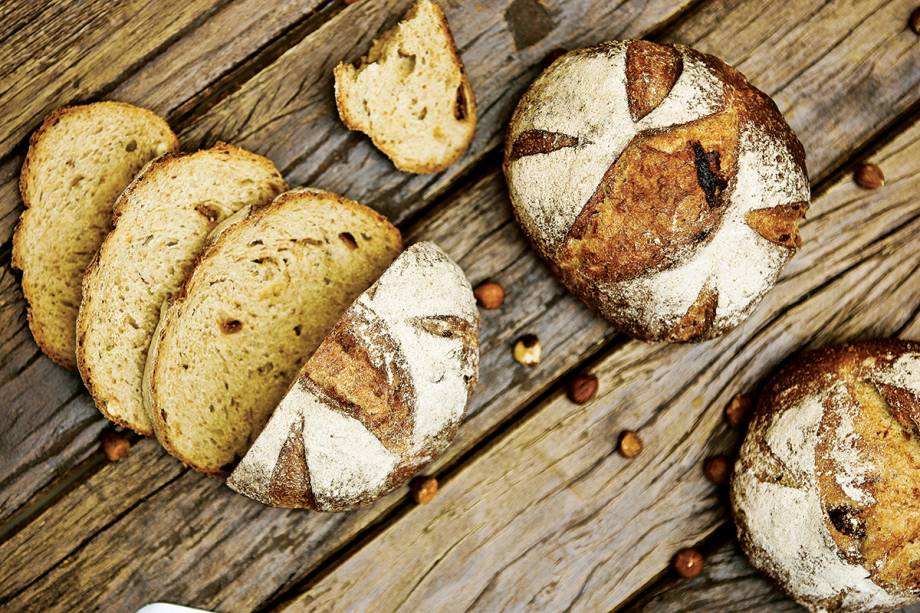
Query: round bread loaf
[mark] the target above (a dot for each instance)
(381, 397)
(826, 490)
(663, 188)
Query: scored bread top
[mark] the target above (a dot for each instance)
(161, 222)
(382, 396)
(270, 284)
(665, 189)
(78, 162)
(410, 93)
(825, 486)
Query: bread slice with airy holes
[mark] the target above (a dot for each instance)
(264, 293)
(79, 161)
(161, 222)
(410, 93)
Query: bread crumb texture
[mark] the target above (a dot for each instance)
(827, 484)
(78, 162)
(267, 288)
(410, 93)
(663, 187)
(382, 396)
(162, 221)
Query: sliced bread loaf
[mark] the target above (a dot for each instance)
(78, 162)
(410, 93)
(161, 222)
(265, 291)
(381, 397)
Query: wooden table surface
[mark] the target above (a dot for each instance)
(536, 510)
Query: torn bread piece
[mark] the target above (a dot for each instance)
(410, 93)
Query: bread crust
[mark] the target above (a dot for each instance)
(621, 209)
(858, 440)
(86, 305)
(395, 375)
(59, 356)
(247, 216)
(402, 164)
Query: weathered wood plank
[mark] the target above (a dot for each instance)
(54, 425)
(559, 465)
(70, 50)
(728, 584)
(493, 250)
(551, 517)
(359, 22)
(166, 80)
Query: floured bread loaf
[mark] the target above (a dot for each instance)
(410, 93)
(381, 397)
(79, 160)
(264, 292)
(664, 189)
(161, 222)
(826, 491)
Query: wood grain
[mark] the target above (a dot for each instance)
(551, 517)
(265, 550)
(308, 67)
(273, 116)
(728, 584)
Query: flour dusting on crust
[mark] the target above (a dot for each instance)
(421, 302)
(805, 476)
(740, 263)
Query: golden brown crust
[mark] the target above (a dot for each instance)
(664, 197)
(880, 533)
(779, 224)
(628, 227)
(698, 320)
(651, 72)
(290, 481)
(59, 357)
(381, 396)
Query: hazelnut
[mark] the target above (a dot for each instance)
(114, 445)
(527, 350)
(717, 469)
(738, 411)
(423, 489)
(630, 444)
(582, 388)
(915, 20)
(489, 295)
(869, 176)
(688, 563)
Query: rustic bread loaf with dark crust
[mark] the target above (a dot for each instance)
(161, 222)
(381, 397)
(264, 292)
(79, 161)
(410, 93)
(663, 188)
(826, 490)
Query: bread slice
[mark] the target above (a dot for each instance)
(161, 222)
(381, 397)
(78, 162)
(264, 293)
(410, 93)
